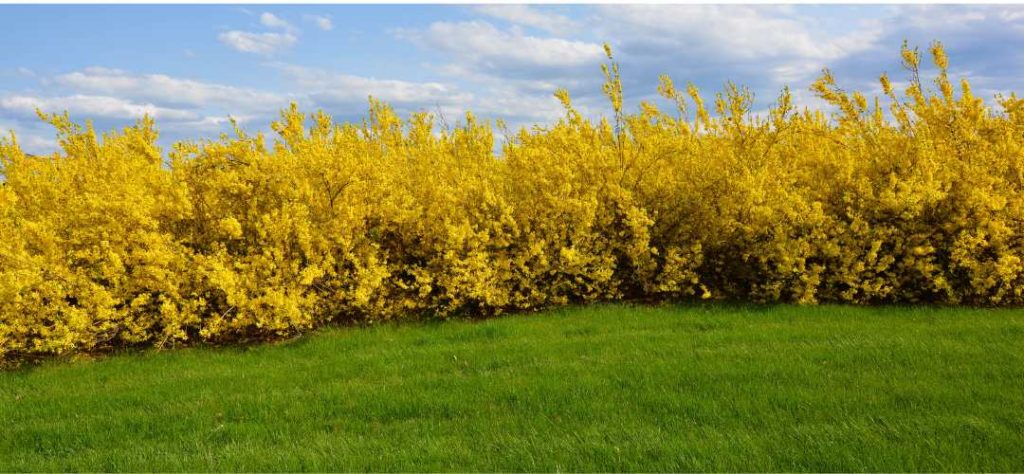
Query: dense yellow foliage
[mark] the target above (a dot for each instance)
(110, 242)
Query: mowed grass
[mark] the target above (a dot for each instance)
(599, 388)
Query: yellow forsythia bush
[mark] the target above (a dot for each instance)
(112, 242)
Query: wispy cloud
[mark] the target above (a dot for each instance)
(771, 44)
(333, 89)
(498, 51)
(92, 106)
(272, 21)
(528, 16)
(258, 43)
(164, 89)
(321, 21)
(32, 138)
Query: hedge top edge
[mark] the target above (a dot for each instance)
(106, 244)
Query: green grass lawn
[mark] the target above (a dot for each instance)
(600, 388)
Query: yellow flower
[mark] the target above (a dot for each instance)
(110, 241)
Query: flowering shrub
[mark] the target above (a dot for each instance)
(109, 242)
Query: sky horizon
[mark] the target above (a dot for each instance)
(193, 66)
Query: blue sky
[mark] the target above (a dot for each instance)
(192, 66)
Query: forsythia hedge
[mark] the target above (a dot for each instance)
(110, 242)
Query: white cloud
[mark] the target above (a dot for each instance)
(272, 21)
(92, 106)
(334, 88)
(518, 107)
(34, 138)
(1011, 15)
(322, 22)
(37, 144)
(757, 43)
(794, 71)
(737, 31)
(529, 16)
(944, 17)
(210, 123)
(518, 102)
(34, 144)
(498, 99)
(491, 49)
(257, 43)
(164, 89)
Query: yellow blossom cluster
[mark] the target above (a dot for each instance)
(112, 242)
